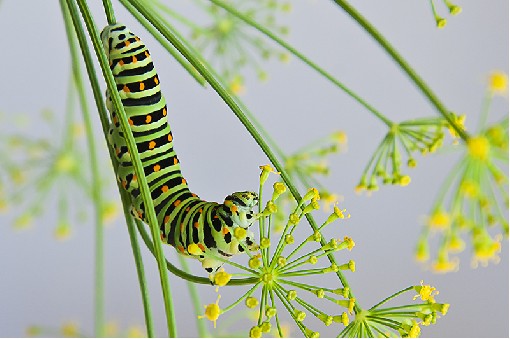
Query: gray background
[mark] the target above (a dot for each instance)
(45, 282)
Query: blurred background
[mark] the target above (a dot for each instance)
(47, 277)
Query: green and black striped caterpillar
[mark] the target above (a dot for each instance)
(208, 231)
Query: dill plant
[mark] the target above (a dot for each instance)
(273, 275)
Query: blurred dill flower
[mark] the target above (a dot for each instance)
(498, 83)
(33, 331)
(404, 320)
(38, 167)
(70, 329)
(282, 266)
(305, 166)
(423, 135)
(452, 9)
(229, 44)
(474, 197)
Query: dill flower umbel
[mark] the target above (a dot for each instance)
(474, 197)
(300, 276)
(59, 168)
(397, 148)
(282, 264)
(307, 165)
(403, 320)
(229, 44)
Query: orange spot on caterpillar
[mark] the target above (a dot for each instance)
(140, 214)
(115, 120)
(194, 195)
(187, 209)
(126, 89)
(170, 138)
(164, 111)
(127, 43)
(163, 237)
(164, 188)
(117, 150)
(148, 119)
(142, 86)
(175, 161)
(147, 54)
(183, 181)
(167, 219)
(225, 231)
(134, 59)
(215, 217)
(156, 80)
(121, 62)
(134, 177)
(137, 38)
(196, 224)
(152, 144)
(130, 121)
(156, 168)
(202, 247)
(124, 183)
(182, 226)
(200, 211)
(233, 208)
(177, 203)
(181, 249)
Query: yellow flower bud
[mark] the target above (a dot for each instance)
(251, 302)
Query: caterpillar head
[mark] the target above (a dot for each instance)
(241, 206)
(114, 34)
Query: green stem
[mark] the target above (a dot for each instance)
(391, 297)
(108, 9)
(195, 300)
(96, 179)
(418, 81)
(144, 188)
(104, 121)
(144, 291)
(302, 57)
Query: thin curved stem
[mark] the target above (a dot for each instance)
(302, 57)
(195, 300)
(418, 81)
(108, 9)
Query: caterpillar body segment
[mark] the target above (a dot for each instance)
(197, 228)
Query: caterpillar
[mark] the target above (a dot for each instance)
(208, 231)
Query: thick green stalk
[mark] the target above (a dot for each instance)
(213, 79)
(302, 57)
(418, 81)
(131, 144)
(104, 121)
(96, 179)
